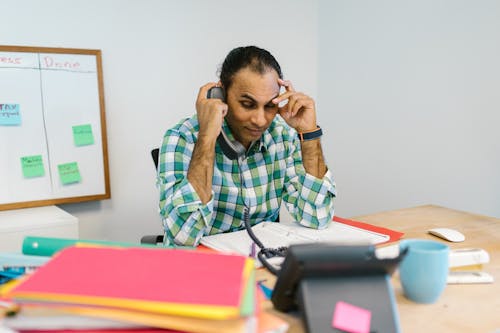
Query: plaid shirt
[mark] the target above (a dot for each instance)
(271, 171)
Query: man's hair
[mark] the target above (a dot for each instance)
(256, 59)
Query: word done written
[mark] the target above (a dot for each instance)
(50, 62)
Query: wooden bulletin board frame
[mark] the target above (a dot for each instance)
(53, 144)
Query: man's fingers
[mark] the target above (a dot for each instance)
(202, 94)
(287, 84)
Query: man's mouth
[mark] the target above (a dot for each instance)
(255, 131)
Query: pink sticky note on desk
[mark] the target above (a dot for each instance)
(351, 318)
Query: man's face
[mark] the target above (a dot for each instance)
(251, 110)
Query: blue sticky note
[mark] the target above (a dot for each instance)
(10, 114)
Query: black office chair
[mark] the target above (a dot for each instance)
(154, 154)
(153, 239)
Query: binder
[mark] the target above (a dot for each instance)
(171, 281)
(49, 316)
(48, 246)
(52, 316)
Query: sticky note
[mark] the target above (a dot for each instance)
(32, 166)
(82, 135)
(69, 173)
(10, 114)
(268, 292)
(351, 318)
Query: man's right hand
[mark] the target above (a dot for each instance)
(210, 112)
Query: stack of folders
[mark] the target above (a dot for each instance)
(89, 288)
(466, 266)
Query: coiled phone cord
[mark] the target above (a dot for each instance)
(264, 252)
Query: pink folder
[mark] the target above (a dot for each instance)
(173, 281)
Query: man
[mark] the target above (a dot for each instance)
(203, 191)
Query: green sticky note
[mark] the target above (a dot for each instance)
(82, 135)
(69, 173)
(32, 166)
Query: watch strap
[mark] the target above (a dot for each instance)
(310, 135)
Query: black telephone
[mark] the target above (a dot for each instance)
(232, 149)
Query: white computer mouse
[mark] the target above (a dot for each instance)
(451, 235)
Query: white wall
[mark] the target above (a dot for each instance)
(407, 91)
(156, 55)
(412, 93)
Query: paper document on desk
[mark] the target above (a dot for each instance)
(274, 235)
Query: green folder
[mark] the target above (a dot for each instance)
(47, 246)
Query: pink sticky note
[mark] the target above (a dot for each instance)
(351, 318)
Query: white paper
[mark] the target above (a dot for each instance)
(274, 235)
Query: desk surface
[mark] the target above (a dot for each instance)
(461, 308)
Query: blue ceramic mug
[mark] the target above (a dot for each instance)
(424, 270)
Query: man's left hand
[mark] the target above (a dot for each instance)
(300, 111)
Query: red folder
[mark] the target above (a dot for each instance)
(393, 235)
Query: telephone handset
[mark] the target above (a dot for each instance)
(232, 149)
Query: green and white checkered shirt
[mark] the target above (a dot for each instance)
(271, 171)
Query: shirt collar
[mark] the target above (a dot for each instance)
(261, 144)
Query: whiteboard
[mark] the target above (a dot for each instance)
(52, 127)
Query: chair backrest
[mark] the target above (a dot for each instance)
(153, 239)
(154, 154)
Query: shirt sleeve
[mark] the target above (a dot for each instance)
(308, 199)
(185, 218)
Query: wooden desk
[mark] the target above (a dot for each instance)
(461, 308)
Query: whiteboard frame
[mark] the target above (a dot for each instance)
(100, 87)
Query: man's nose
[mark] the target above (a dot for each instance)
(259, 117)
